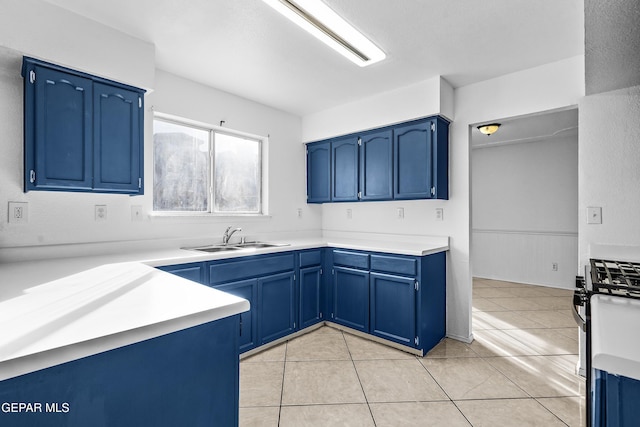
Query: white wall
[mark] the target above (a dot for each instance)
(612, 43)
(42, 30)
(63, 224)
(432, 96)
(609, 178)
(525, 204)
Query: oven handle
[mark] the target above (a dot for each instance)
(579, 320)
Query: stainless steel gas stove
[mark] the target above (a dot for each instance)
(611, 299)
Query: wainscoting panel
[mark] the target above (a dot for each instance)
(525, 256)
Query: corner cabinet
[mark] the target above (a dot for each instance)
(399, 298)
(81, 132)
(400, 162)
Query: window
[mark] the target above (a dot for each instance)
(205, 170)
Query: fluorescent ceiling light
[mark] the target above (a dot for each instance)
(319, 20)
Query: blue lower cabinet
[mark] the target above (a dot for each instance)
(392, 307)
(615, 400)
(247, 289)
(351, 298)
(194, 271)
(310, 296)
(185, 378)
(276, 296)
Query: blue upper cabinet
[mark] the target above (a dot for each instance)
(376, 165)
(421, 156)
(344, 169)
(81, 132)
(58, 128)
(319, 172)
(405, 161)
(117, 134)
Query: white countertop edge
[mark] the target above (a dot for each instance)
(380, 247)
(617, 365)
(33, 362)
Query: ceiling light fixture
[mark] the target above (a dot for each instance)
(489, 129)
(323, 23)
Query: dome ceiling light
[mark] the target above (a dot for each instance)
(489, 129)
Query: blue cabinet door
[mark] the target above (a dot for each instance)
(310, 295)
(193, 271)
(344, 169)
(393, 308)
(351, 298)
(276, 306)
(117, 139)
(246, 289)
(58, 140)
(413, 158)
(319, 172)
(376, 165)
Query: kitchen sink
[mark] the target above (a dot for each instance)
(215, 248)
(237, 246)
(258, 245)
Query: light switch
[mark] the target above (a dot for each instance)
(594, 215)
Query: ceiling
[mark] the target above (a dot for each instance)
(530, 128)
(246, 48)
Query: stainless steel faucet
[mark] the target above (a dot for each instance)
(227, 235)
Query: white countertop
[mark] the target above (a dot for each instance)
(56, 310)
(101, 309)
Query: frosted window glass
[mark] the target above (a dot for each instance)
(181, 168)
(191, 177)
(237, 174)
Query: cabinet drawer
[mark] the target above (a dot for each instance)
(394, 264)
(351, 259)
(310, 258)
(220, 272)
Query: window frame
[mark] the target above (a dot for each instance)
(262, 141)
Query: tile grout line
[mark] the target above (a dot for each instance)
(443, 390)
(284, 370)
(359, 381)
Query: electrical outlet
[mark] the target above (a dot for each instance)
(554, 266)
(349, 214)
(18, 212)
(101, 212)
(299, 212)
(136, 213)
(400, 213)
(439, 214)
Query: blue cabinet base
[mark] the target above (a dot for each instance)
(186, 378)
(615, 400)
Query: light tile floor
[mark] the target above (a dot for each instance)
(519, 371)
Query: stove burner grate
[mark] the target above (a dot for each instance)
(619, 278)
